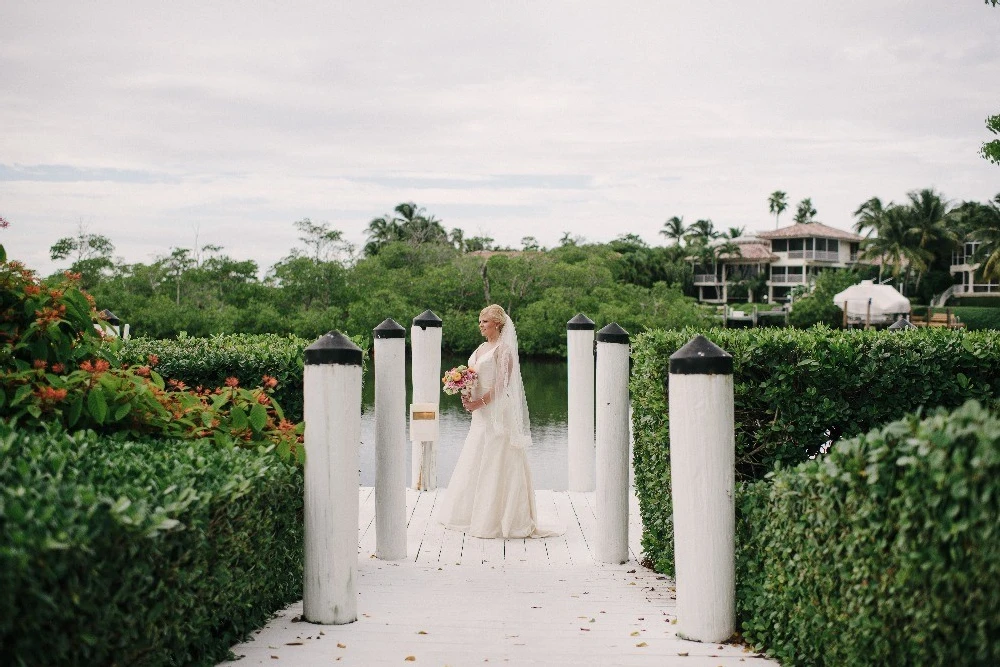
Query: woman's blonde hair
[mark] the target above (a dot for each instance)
(496, 314)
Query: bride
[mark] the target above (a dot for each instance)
(490, 493)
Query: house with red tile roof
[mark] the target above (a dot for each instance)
(787, 258)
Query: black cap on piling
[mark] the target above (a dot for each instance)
(701, 357)
(579, 322)
(333, 348)
(612, 334)
(902, 325)
(389, 328)
(110, 317)
(427, 319)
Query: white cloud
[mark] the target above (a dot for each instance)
(240, 118)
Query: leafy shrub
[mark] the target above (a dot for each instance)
(56, 367)
(152, 553)
(881, 552)
(817, 307)
(795, 391)
(974, 301)
(209, 362)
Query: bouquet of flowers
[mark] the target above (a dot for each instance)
(460, 379)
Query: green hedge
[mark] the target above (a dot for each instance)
(207, 362)
(796, 390)
(247, 357)
(151, 553)
(975, 301)
(978, 318)
(881, 552)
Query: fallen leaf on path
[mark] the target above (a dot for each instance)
(410, 658)
(293, 643)
(641, 644)
(421, 632)
(339, 645)
(635, 634)
(684, 653)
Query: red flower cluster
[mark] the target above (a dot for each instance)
(97, 367)
(142, 371)
(39, 364)
(50, 394)
(153, 359)
(270, 382)
(232, 382)
(177, 385)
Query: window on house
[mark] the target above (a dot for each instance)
(779, 245)
(832, 245)
(777, 270)
(795, 270)
(809, 244)
(794, 244)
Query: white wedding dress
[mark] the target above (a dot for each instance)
(490, 493)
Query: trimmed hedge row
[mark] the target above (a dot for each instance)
(881, 552)
(207, 362)
(797, 390)
(153, 553)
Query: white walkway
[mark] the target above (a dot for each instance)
(459, 600)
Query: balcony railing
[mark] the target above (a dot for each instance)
(978, 288)
(788, 278)
(706, 279)
(821, 255)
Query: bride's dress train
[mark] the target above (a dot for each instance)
(490, 493)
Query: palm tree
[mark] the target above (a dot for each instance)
(870, 216)
(777, 203)
(674, 229)
(735, 232)
(895, 245)
(984, 226)
(804, 212)
(931, 224)
(703, 231)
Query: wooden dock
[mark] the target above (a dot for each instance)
(460, 600)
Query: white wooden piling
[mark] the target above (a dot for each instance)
(425, 338)
(611, 539)
(702, 480)
(390, 441)
(332, 410)
(580, 402)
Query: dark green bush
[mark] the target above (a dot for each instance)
(797, 390)
(881, 552)
(975, 301)
(207, 362)
(144, 553)
(979, 317)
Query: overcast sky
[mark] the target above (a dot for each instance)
(152, 123)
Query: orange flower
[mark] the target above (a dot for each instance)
(176, 384)
(50, 394)
(286, 426)
(232, 382)
(39, 364)
(87, 366)
(32, 290)
(102, 365)
(58, 368)
(153, 359)
(270, 382)
(264, 399)
(142, 371)
(72, 276)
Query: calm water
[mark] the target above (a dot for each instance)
(545, 388)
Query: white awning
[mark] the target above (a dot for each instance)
(885, 302)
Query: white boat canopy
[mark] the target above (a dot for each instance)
(886, 303)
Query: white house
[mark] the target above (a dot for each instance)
(967, 282)
(788, 257)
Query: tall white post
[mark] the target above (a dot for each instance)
(425, 337)
(611, 541)
(580, 402)
(702, 480)
(332, 410)
(390, 441)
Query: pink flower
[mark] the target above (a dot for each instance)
(3, 223)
